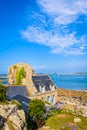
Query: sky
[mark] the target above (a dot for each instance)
(50, 35)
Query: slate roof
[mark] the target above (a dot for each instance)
(23, 100)
(14, 90)
(42, 80)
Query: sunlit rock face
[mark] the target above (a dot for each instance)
(26, 76)
(12, 118)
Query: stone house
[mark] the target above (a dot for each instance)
(38, 85)
(46, 89)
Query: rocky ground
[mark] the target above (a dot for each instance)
(73, 100)
(72, 93)
(11, 118)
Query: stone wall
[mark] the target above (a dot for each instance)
(12, 118)
(43, 96)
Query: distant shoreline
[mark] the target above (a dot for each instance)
(72, 93)
(3, 77)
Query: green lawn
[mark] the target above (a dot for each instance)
(66, 122)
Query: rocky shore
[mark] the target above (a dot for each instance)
(82, 95)
(75, 101)
(11, 118)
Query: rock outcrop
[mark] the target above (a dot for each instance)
(11, 118)
(26, 80)
(12, 71)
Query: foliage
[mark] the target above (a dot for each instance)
(2, 92)
(47, 103)
(55, 111)
(51, 111)
(31, 124)
(20, 74)
(37, 110)
(73, 112)
(16, 103)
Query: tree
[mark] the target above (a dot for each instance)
(2, 92)
(37, 110)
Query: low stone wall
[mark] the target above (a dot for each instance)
(43, 96)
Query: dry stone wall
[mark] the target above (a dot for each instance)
(43, 96)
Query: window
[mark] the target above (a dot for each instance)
(51, 99)
(38, 81)
(53, 87)
(50, 87)
(47, 98)
(42, 89)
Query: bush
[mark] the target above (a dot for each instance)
(2, 92)
(16, 103)
(37, 110)
(51, 111)
(31, 124)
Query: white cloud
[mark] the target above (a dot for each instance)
(64, 11)
(67, 44)
(51, 28)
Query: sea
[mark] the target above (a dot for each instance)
(67, 81)
(70, 81)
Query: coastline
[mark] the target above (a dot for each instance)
(63, 91)
(71, 82)
(82, 94)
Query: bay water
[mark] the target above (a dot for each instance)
(66, 81)
(70, 82)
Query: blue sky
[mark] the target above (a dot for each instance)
(51, 36)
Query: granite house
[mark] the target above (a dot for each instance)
(31, 85)
(46, 89)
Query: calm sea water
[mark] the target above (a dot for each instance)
(71, 82)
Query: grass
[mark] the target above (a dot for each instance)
(66, 122)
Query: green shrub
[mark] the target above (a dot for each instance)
(2, 92)
(54, 111)
(16, 103)
(31, 124)
(37, 110)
